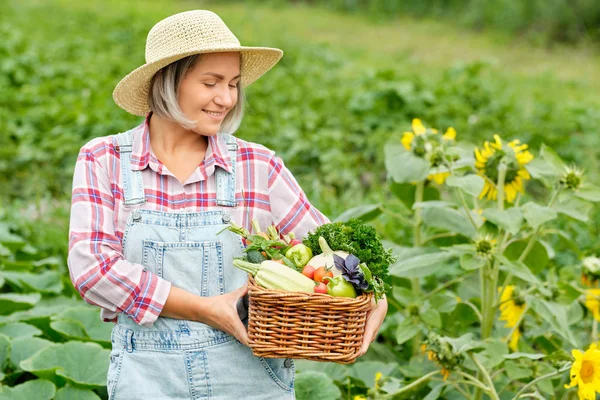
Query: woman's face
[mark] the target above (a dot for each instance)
(209, 90)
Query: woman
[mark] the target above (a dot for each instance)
(148, 205)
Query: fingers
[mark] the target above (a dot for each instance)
(241, 292)
(240, 333)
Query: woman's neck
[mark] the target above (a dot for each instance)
(168, 137)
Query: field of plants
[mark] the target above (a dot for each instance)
(473, 154)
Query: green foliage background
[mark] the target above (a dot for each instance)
(345, 86)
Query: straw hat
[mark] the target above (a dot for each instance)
(182, 35)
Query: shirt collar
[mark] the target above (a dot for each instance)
(217, 153)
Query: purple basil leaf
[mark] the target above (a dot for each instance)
(352, 262)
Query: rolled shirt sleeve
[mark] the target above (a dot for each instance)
(97, 267)
(291, 210)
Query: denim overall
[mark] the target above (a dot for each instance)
(179, 359)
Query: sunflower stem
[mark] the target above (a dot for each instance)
(594, 330)
(491, 388)
(500, 185)
(416, 287)
(566, 367)
(411, 385)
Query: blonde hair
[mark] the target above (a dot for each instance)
(164, 90)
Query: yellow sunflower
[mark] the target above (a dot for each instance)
(592, 302)
(421, 145)
(515, 156)
(585, 373)
(511, 309)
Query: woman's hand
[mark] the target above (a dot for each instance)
(375, 317)
(221, 313)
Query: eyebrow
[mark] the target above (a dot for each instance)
(219, 76)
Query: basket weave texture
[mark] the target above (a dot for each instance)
(309, 326)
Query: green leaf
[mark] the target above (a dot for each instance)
(45, 282)
(493, 353)
(404, 296)
(432, 318)
(433, 203)
(419, 266)
(365, 213)
(366, 370)
(470, 262)
(406, 330)
(460, 249)
(448, 219)
(588, 192)
(19, 329)
(536, 260)
(25, 347)
(536, 215)
(574, 208)
(515, 372)
(5, 350)
(11, 302)
(574, 313)
(337, 372)
(443, 302)
(539, 168)
(70, 329)
(463, 343)
(84, 317)
(312, 385)
(85, 364)
(556, 315)
(37, 389)
(75, 393)
(510, 219)
(518, 269)
(470, 184)
(514, 356)
(10, 240)
(44, 309)
(403, 166)
(435, 392)
(556, 164)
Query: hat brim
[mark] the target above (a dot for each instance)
(131, 93)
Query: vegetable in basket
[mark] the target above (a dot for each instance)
(272, 275)
(368, 266)
(354, 237)
(340, 287)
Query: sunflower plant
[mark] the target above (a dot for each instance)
(478, 300)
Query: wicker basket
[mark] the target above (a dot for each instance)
(307, 326)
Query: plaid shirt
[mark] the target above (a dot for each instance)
(265, 190)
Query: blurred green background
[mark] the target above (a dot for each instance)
(354, 74)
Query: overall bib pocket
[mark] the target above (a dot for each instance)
(168, 260)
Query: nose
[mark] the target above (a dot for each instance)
(225, 98)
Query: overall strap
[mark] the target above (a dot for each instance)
(133, 186)
(225, 180)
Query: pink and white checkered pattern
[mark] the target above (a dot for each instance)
(265, 190)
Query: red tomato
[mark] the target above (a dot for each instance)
(309, 271)
(321, 288)
(320, 273)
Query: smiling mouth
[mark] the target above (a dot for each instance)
(214, 113)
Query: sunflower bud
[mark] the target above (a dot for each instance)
(590, 271)
(485, 246)
(440, 350)
(571, 179)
